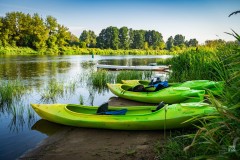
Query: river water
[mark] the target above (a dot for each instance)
(18, 121)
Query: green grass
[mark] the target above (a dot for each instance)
(216, 133)
(130, 75)
(53, 90)
(10, 91)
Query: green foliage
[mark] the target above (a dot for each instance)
(170, 42)
(217, 135)
(192, 65)
(100, 79)
(138, 39)
(108, 38)
(192, 43)
(88, 38)
(123, 38)
(235, 35)
(17, 51)
(154, 39)
(179, 40)
(24, 30)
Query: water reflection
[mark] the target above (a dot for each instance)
(25, 67)
(20, 117)
(48, 128)
(51, 79)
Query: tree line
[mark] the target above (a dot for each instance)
(25, 30)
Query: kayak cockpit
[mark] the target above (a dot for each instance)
(105, 110)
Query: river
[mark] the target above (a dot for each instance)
(17, 131)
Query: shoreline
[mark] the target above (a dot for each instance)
(66, 142)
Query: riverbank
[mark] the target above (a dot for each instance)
(66, 142)
(86, 51)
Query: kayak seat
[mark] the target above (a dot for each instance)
(137, 88)
(102, 108)
(159, 87)
(160, 105)
(118, 112)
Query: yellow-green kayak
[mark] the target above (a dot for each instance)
(134, 118)
(215, 87)
(169, 95)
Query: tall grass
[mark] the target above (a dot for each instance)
(10, 91)
(218, 136)
(53, 90)
(192, 65)
(128, 75)
(100, 78)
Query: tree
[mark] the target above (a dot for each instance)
(51, 24)
(179, 40)
(73, 41)
(40, 32)
(138, 39)
(214, 43)
(63, 36)
(192, 43)
(93, 39)
(89, 38)
(85, 37)
(170, 43)
(123, 38)
(153, 38)
(108, 38)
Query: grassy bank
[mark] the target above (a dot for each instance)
(217, 136)
(84, 51)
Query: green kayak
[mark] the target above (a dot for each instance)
(169, 95)
(134, 117)
(210, 86)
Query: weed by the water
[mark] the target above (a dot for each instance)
(129, 75)
(53, 90)
(10, 91)
(218, 136)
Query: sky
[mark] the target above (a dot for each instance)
(200, 19)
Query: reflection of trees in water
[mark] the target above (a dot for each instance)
(28, 68)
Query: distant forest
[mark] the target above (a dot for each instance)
(18, 29)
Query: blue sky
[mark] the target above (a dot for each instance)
(200, 19)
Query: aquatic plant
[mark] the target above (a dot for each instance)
(10, 91)
(53, 90)
(130, 75)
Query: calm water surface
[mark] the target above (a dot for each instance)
(19, 130)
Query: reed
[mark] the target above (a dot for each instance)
(10, 91)
(130, 75)
(100, 78)
(192, 65)
(53, 90)
(218, 135)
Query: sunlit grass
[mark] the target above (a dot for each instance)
(10, 91)
(53, 90)
(130, 75)
(218, 135)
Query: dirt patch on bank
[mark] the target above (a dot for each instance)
(89, 144)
